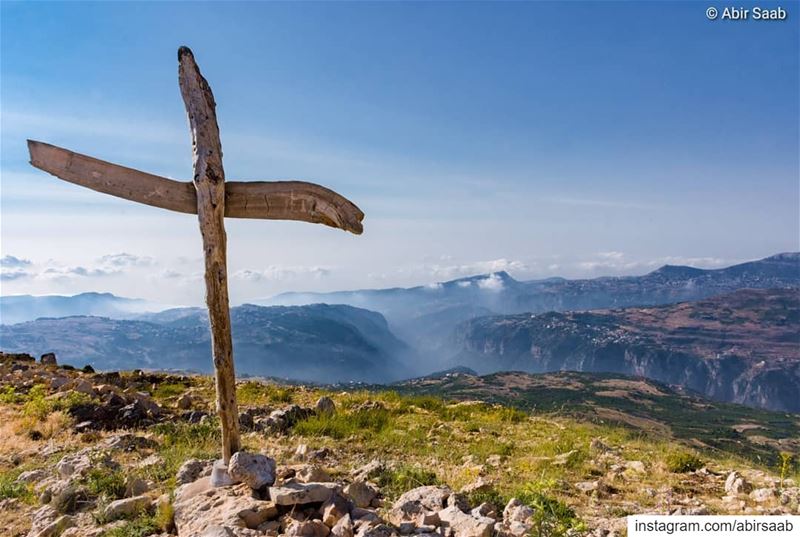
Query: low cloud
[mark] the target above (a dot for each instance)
(126, 260)
(10, 274)
(9, 261)
(491, 283)
(476, 267)
(282, 273)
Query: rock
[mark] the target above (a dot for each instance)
(635, 466)
(517, 518)
(334, 509)
(343, 528)
(360, 514)
(218, 531)
(598, 445)
(308, 528)
(325, 405)
(126, 507)
(48, 358)
(312, 473)
(380, 530)
(54, 528)
(199, 506)
(82, 386)
(762, 495)
(481, 484)
(184, 402)
(129, 442)
(255, 470)
(736, 484)
(191, 470)
(301, 493)
(246, 422)
(596, 488)
(418, 501)
(465, 525)
(31, 476)
(484, 510)
(135, 486)
(361, 493)
(220, 476)
(68, 499)
(369, 470)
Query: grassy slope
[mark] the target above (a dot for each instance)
(538, 455)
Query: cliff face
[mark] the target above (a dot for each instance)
(742, 347)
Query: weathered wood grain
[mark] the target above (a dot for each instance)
(209, 181)
(272, 200)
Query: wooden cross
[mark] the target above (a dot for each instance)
(211, 199)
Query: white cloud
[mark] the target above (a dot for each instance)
(126, 260)
(491, 283)
(476, 267)
(14, 262)
(282, 273)
(9, 274)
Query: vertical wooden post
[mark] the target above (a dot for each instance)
(209, 181)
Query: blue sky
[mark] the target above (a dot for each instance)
(574, 139)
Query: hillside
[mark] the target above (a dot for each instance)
(741, 347)
(425, 315)
(643, 405)
(313, 343)
(128, 455)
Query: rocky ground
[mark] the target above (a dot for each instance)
(133, 454)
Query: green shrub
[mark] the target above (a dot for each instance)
(683, 461)
(105, 483)
(552, 517)
(166, 390)
(342, 425)
(38, 406)
(395, 481)
(9, 488)
(138, 527)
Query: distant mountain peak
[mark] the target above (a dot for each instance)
(678, 271)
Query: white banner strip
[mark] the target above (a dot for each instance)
(713, 526)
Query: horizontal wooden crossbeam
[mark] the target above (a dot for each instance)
(272, 200)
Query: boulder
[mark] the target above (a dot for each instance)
(199, 506)
(361, 493)
(308, 528)
(325, 405)
(192, 470)
(31, 476)
(255, 470)
(517, 519)
(48, 358)
(126, 507)
(343, 528)
(301, 493)
(418, 501)
(466, 525)
(334, 509)
(312, 473)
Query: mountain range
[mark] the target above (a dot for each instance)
(678, 325)
(319, 343)
(425, 316)
(742, 346)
